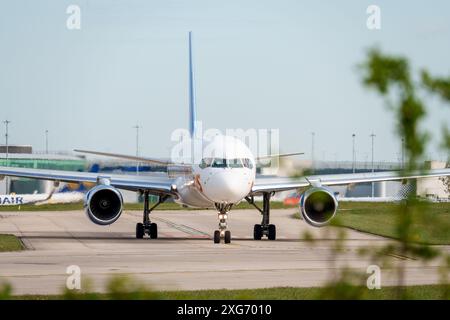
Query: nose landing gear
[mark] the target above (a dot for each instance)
(223, 217)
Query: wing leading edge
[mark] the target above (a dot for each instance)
(274, 184)
(154, 184)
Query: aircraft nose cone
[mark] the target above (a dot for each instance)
(228, 186)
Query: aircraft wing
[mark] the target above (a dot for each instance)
(275, 184)
(279, 155)
(162, 162)
(154, 184)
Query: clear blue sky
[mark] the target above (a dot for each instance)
(259, 64)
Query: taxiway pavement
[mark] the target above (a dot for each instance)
(184, 256)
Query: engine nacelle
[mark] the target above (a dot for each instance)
(103, 204)
(318, 206)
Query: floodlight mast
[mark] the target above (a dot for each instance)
(137, 127)
(7, 122)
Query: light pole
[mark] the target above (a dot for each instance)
(269, 133)
(312, 151)
(373, 167)
(137, 146)
(7, 122)
(46, 141)
(353, 154)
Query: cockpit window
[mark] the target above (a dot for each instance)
(206, 162)
(247, 163)
(225, 163)
(219, 163)
(234, 163)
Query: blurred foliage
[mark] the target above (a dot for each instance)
(119, 287)
(5, 291)
(446, 138)
(385, 72)
(445, 281)
(437, 85)
(441, 87)
(9, 242)
(390, 76)
(347, 286)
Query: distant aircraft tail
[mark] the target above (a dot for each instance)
(95, 168)
(192, 111)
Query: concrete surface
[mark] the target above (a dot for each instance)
(184, 256)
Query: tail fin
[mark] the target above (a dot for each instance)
(192, 111)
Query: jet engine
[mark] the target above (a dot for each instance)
(103, 204)
(318, 206)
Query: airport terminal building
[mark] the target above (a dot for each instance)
(23, 157)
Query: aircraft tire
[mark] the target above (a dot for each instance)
(227, 238)
(272, 232)
(139, 231)
(257, 232)
(217, 236)
(153, 231)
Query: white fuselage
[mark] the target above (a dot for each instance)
(225, 174)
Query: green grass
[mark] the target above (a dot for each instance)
(128, 206)
(431, 221)
(281, 293)
(9, 242)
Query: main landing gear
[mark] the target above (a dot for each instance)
(263, 229)
(147, 227)
(223, 216)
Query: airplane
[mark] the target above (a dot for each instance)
(217, 182)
